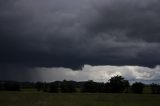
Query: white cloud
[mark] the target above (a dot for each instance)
(100, 73)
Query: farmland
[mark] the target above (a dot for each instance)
(34, 98)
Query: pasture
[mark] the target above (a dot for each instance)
(34, 98)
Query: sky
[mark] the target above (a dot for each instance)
(79, 40)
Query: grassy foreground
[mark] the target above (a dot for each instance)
(76, 99)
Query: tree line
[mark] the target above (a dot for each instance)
(116, 84)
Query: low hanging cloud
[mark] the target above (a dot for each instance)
(102, 73)
(88, 72)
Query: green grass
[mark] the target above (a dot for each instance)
(33, 98)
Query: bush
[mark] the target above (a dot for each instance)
(93, 87)
(68, 86)
(53, 87)
(137, 87)
(39, 86)
(155, 88)
(11, 86)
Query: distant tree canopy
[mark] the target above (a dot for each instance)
(53, 87)
(118, 84)
(93, 87)
(68, 86)
(155, 88)
(137, 87)
(10, 86)
(39, 86)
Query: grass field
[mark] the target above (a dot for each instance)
(33, 98)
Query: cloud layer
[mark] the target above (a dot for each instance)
(60, 33)
(102, 73)
(88, 72)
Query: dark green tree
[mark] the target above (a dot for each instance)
(54, 87)
(93, 87)
(137, 87)
(39, 86)
(89, 86)
(68, 86)
(155, 88)
(107, 88)
(127, 86)
(11, 86)
(118, 84)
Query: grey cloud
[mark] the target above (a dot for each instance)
(140, 19)
(60, 33)
(88, 72)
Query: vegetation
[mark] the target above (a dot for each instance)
(10, 86)
(35, 98)
(93, 87)
(116, 92)
(137, 87)
(116, 84)
(155, 88)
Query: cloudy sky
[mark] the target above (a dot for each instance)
(79, 39)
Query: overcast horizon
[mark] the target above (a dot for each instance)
(88, 72)
(48, 40)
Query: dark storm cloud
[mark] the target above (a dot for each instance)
(138, 18)
(72, 33)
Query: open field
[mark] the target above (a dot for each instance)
(33, 98)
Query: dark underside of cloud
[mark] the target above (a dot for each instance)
(71, 33)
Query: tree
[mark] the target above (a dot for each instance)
(1, 85)
(54, 87)
(118, 84)
(11, 86)
(39, 86)
(155, 88)
(93, 87)
(107, 88)
(68, 86)
(137, 87)
(127, 86)
(46, 87)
